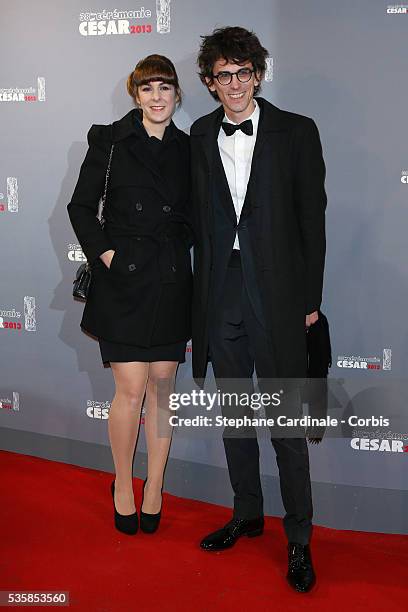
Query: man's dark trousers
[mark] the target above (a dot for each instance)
(238, 342)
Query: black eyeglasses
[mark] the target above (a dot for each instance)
(243, 75)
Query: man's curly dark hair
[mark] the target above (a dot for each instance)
(234, 44)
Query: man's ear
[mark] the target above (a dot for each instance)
(210, 83)
(257, 78)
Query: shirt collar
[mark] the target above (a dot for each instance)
(132, 124)
(254, 116)
(170, 130)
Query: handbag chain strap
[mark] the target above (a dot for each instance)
(103, 199)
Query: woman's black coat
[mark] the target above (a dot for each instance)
(145, 297)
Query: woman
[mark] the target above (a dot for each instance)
(139, 300)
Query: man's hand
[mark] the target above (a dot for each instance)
(311, 318)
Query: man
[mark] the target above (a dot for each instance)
(259, 209)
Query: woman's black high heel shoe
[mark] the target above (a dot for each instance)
(126, 523)
(149, 523)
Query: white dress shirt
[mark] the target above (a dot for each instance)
(236, 154)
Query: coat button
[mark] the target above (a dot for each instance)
(166, 208)
(138, 206)
(131, 267)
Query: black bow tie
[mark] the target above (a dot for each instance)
(231, 128)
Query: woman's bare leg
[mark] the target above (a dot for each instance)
(157, 429)
(123, 425)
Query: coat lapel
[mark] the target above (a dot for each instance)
(206, 137)
(209, 134)
(145, 158)
(223, 187)
(270, 121)
(130, 125)
(139, 149)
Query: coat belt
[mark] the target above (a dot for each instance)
(163, 236)
(160, 234)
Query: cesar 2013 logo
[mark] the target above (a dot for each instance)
(113, 22)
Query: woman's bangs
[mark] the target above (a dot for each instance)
(145, 80)
(154, 71)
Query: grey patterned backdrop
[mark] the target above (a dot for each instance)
(342, 63)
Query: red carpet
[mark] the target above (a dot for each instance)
(57, 534)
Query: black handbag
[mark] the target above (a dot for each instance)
(82, 280)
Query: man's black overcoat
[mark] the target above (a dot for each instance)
(285, 219)
(145, 297)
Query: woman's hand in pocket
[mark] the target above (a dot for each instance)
(119, 265)
(107, 257)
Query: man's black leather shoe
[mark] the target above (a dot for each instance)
(229, 534)
(300, 575)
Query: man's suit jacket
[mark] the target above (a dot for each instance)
(283, 219)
